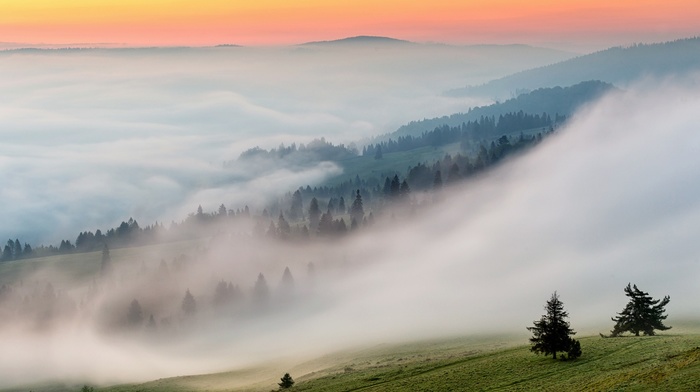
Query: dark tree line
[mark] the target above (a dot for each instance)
(293, 217)
(13, 250)
(314, 151)
(467, 132)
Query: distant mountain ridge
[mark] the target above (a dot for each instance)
(551, 100)
(361, 40)
(618, 65)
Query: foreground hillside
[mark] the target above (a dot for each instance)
(669, 362)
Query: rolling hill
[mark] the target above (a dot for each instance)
(618, 65)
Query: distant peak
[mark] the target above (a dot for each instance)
(361, 40)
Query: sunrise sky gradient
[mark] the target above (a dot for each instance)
(278, 22)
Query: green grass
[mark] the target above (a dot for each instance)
(669, 362)
(83, 267)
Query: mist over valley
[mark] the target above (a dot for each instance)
(243, 208)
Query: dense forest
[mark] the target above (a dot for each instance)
(471, 142)
(324, 211)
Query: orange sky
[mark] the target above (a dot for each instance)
(269, 22)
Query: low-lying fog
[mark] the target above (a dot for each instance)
(612, 198)
(92, 137)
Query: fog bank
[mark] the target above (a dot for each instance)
(94, 136)
(610, 199)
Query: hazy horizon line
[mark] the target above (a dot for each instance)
(9, 46)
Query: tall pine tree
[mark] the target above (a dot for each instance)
(550, 334)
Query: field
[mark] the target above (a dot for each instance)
(83, 267)
(669, 362)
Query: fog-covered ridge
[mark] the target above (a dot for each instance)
(584, 213)
(93, 136)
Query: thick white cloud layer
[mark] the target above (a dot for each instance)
(92, 137)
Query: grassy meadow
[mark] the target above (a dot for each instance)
(668, 362)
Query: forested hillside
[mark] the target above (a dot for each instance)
(555, 101)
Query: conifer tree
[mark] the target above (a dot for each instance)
(641, 314)
(551, 332)
(395, 189)
(261, 293)
(341, 205)
(286, 381)
(106, 265)
(135, 314)
(437, 182)
(357, 212)
(405, 190)
(287, 284)
(189, 305)
(283, 228)
(314, 214)
(296, 209)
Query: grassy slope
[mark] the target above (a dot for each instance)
(670, 362)
(85, 266)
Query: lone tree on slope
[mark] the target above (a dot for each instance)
(641, 314)
(189, 305)
(551, 332)
(106, 266)
(286, 381)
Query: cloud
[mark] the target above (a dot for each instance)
(610, 199)
(85, 132)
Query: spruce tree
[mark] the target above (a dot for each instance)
(357, 211)
(314, 214)
(641, 314)
(287, 284)
(106, 265)
(261, 292)
(551, 332)
(135, 314)
(283, 228)
(286, 381)
(189, 305)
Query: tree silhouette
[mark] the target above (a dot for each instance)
(286, 381)
(261, 292)
(135, 314)
(287, 284)
(437, 181)
(296, 209)
(314, 214)
(189, 305)
(551, 332)
(283, 228)
(378, 154)
(641, 314)
(357, 211)
(106, 265)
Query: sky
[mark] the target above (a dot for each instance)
(577, 23)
